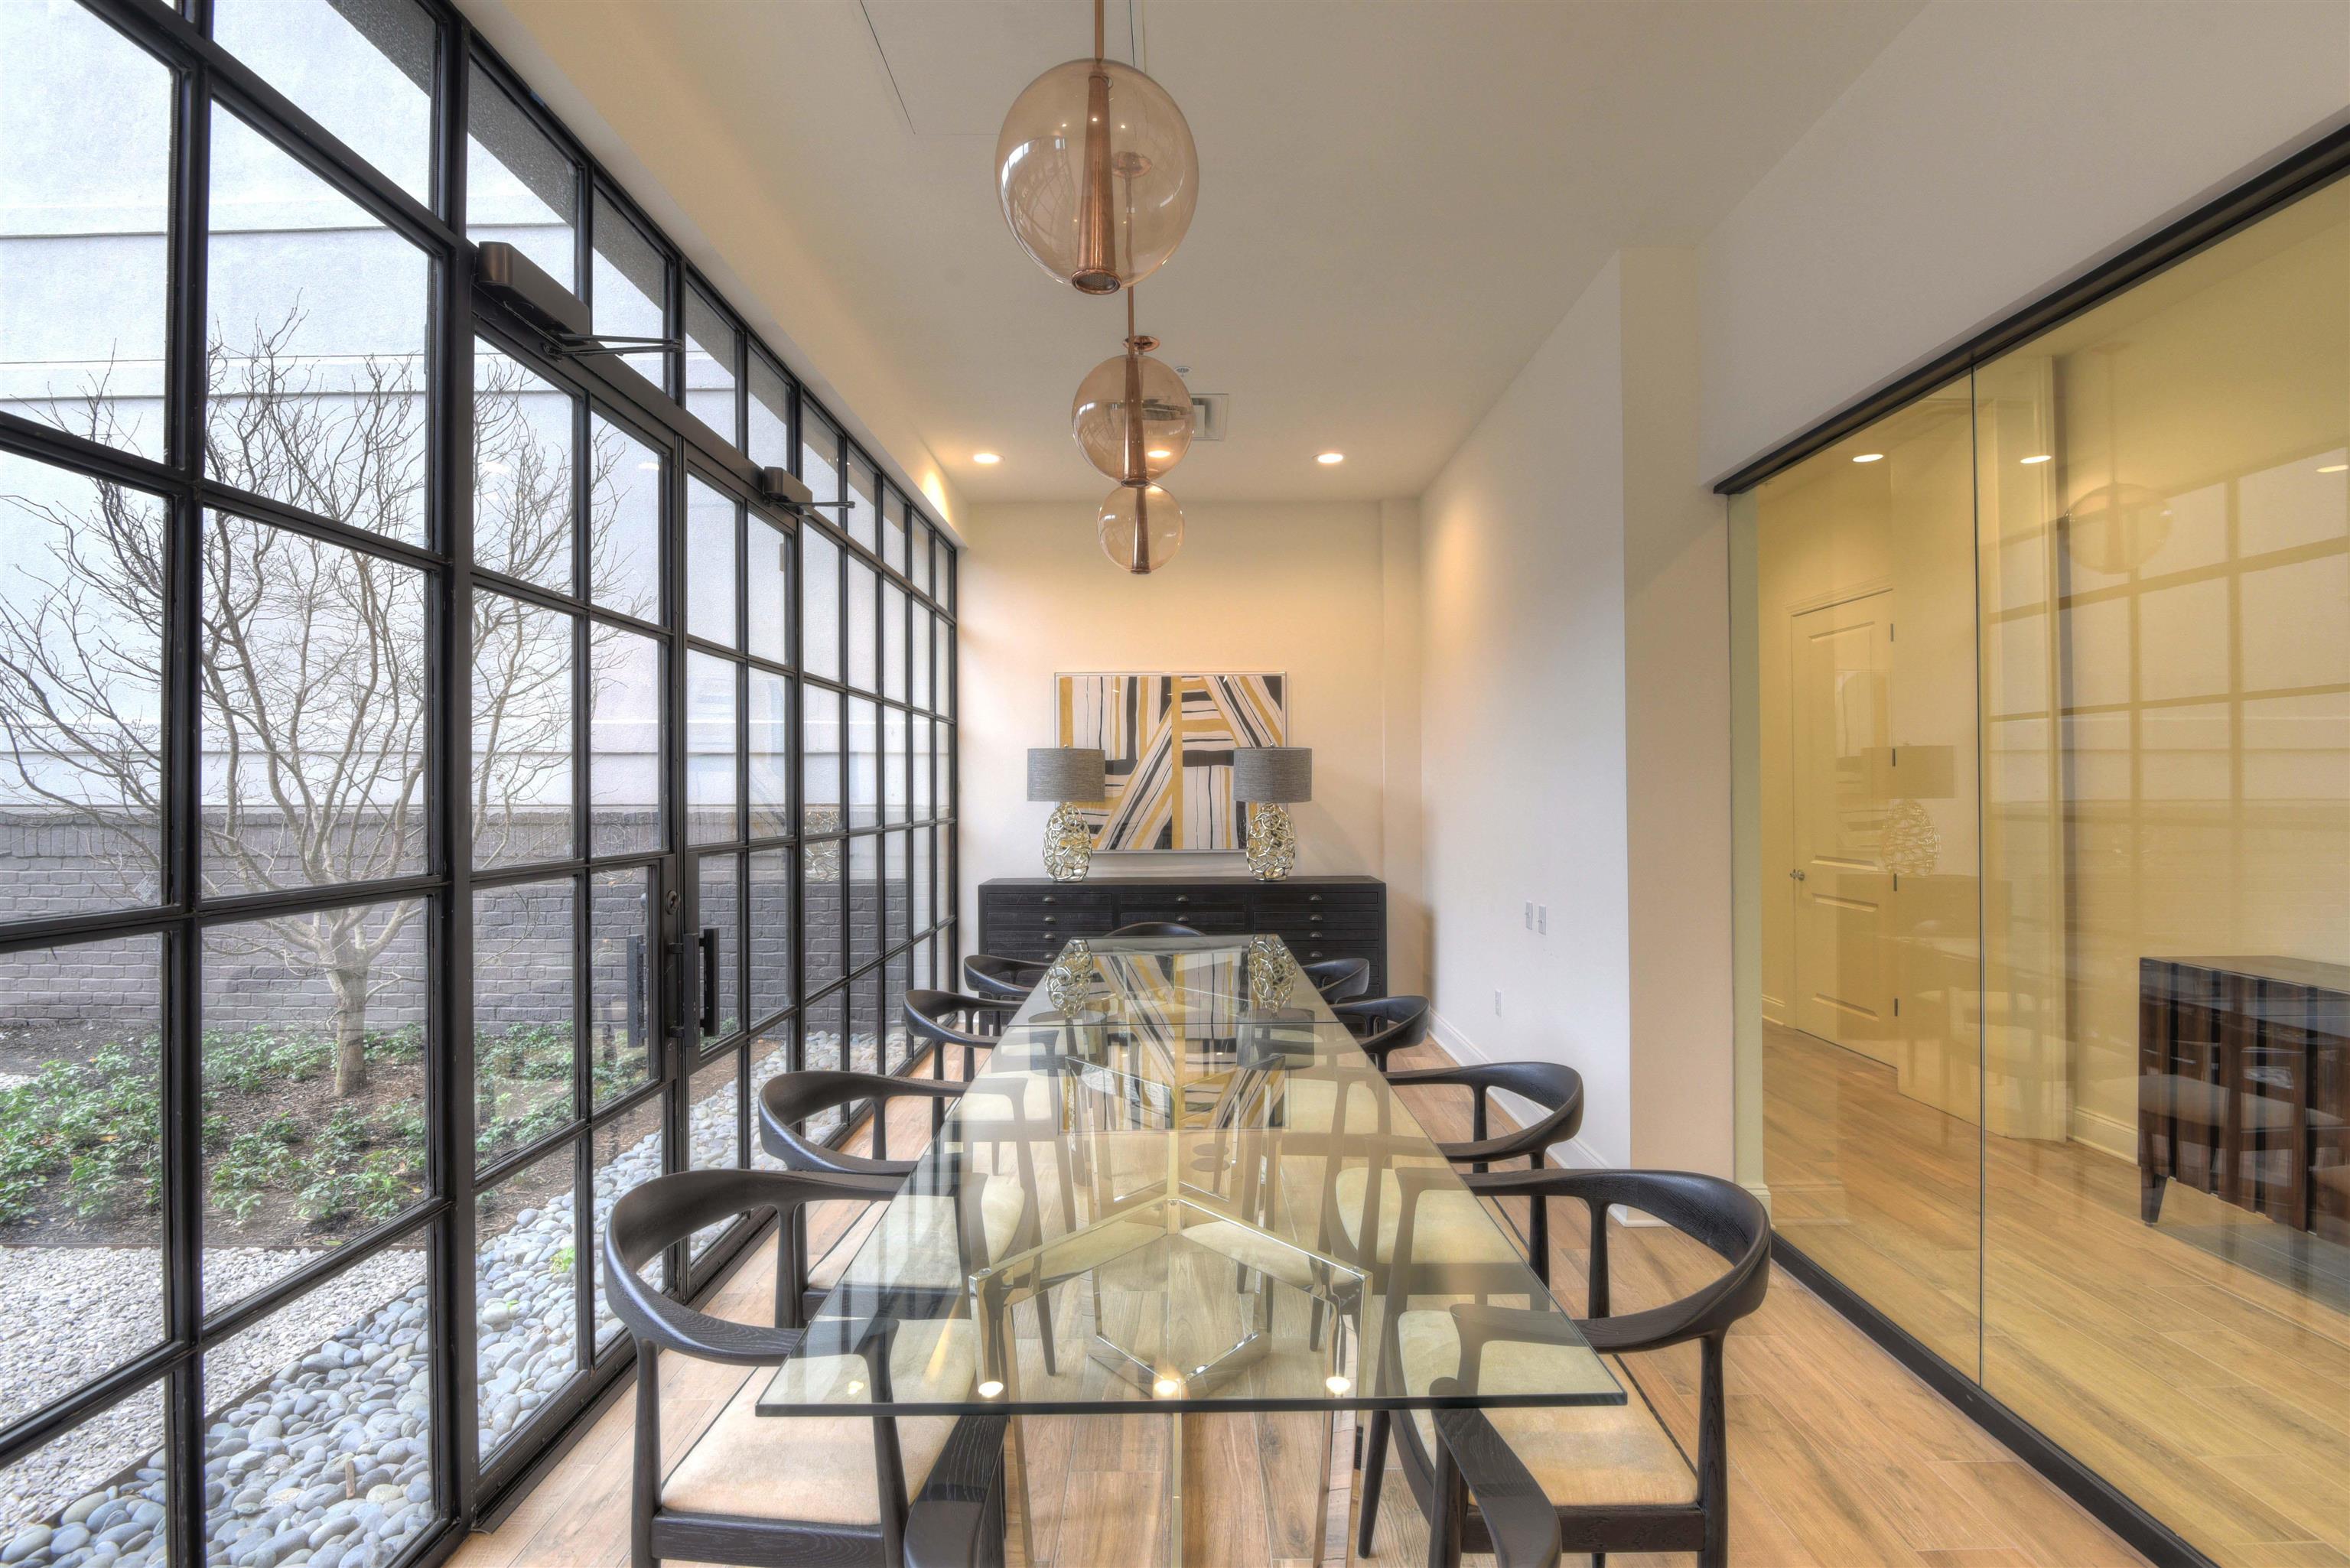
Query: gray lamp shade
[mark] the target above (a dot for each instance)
(1067, 773)
(1273, 774)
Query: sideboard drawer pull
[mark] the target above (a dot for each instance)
(1052, 919)
(1047, 899)
(1183, 898)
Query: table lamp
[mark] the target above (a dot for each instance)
(1268, 778)
(1061, 775)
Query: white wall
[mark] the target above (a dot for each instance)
(1295, 588)
(1993, 148)
(1523, 794)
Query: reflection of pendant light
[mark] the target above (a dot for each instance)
(2116, 528)
(1132, 414)
(1095, 171)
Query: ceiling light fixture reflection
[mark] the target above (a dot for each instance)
(2334, 467)
(989, 1389)
(1330, 459)
(986, 459)
(1167, 1389)
(2038, 457)
(1870, 457)
(1336, 1384)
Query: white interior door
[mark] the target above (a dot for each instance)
(1842, 676)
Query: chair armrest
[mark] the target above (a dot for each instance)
(948, 1524)
(1519, 1516)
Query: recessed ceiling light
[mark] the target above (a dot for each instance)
(986, 459)
(1870, 457)
(2037, 457)
(1330, 459)
(2329, 468)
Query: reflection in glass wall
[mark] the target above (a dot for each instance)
(2099, 1156)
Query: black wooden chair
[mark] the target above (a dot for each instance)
(945, 1019)
(1555, 1087)
(1383, 1025)
(1002, 978)
(783, 1493)
(1611, 1477)
(1339, 979)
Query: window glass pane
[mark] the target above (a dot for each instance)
(712, 346)
(519, 186)
(630, 286)
(917, 663)
(313, 1083)
(863, 649)
(771, 932)
(770, 573)
(893, 530)
(317, 371)
(942, 687)
(107, 1473)
(366, 1336)
(918, 569)
(920, 888)
(864, 764)
(897, 901)
(713, 1121)
(893, 764)
(897, 1042)
(864, 862)
(522, 736)
(924, 801)
(521, 472)
(625, 1153)
(820, 758)
(771, 760)
(625, 494)
(863, 503)
(364, 72)
(823, 914)
(523, 1059)
(717, 880)
(864, 1023)
(620, 959)
(819, 604)
(84, 223)
(771, 1053)
(314, 712)
(822, 1028)
(893, 641)
(710, 533)
(82, 691)
(624, 738)
(711, 711)
(770, 442)
(820, 457)
(526, 1285)
(81, 1165)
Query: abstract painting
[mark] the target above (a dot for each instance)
(1169, 740)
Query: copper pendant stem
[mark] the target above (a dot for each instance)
(1097, 234)
(1141, 530)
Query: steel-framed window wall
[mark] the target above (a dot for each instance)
(724, 986)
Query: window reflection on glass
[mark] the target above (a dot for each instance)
(522, 473)
(315, 375)
(524, 742)
(82, 319)
(363, 72)
(624, 737)
(621, 958)
(629, 285)
(713, 709)
(81, 688)
(519, 186)
(524, 1015)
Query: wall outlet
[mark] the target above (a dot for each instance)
(1542, 918)
(1529, 916)
(1497, 1001)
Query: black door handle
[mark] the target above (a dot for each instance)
(708, 942)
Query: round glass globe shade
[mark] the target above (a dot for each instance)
(2117, 528)
(1099, 415)
(1097, 174)
(1141, 528)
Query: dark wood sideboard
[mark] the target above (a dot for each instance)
(2244, 1088)
(1318, 916)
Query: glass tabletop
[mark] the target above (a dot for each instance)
(1179, 1183)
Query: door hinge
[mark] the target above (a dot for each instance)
(1897, 881)
(1896, 1007)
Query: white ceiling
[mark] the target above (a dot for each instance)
(1398, 197)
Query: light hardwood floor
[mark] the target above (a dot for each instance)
(1839, 1458)
(2216, 1396)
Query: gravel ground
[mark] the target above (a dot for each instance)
(323, 1461)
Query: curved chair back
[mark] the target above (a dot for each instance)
(1339, 979)
(1386, 1025)
(1002, 978)
(1555, 1087)
(788, 1099)
(1156, 929)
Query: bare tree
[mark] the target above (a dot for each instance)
(313, 678)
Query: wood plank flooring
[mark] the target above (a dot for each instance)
(2216, 1395)
(1839, 1458)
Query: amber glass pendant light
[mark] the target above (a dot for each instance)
(1095, 171)
(1132, 414)
(1140, 527)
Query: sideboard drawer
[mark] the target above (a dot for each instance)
(1319, 916)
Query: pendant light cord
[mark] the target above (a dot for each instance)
(1098, 30)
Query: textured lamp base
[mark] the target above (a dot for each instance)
(1068, 848)
(1271, 842)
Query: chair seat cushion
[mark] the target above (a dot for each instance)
(818, 1469)
(1449, 1228)
(1582, 1456)
(914, 1241)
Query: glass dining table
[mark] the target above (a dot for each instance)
(1179, 1188)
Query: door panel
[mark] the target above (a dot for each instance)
(1841, 683)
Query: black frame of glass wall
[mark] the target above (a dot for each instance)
(893, 553)
(2323, 159)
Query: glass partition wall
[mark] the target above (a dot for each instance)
(2054, 861)
(435, 789)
